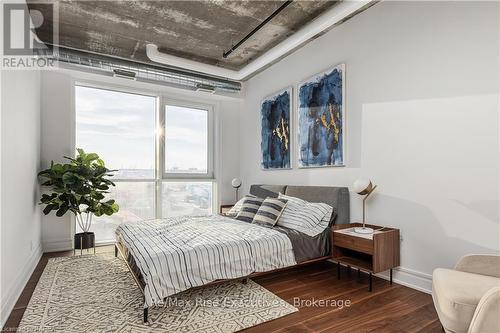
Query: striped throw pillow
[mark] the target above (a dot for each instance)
(307, 217)
(248, 209)
(270, 211)
(237, 206)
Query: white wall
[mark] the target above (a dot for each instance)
(20, 162)
(58, 135)
(422, 115)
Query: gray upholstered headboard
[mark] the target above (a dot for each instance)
(337, 197)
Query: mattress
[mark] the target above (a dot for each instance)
(176, 254)
(303, 247)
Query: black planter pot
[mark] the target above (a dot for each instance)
(84, 240)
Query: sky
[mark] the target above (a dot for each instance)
(121, 128)
(186, 133)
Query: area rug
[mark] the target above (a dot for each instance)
(97, 293)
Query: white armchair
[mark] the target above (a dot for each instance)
(467, 298)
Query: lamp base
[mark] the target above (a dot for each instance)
(363, 230)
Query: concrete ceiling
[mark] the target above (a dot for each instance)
(195, 30)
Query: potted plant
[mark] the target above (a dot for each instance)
(79, 187)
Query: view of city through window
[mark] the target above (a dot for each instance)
(121, 128)
(186, 140)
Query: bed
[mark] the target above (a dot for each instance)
(168, 256)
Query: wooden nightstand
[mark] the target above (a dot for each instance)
(224, 209)
(373, 253)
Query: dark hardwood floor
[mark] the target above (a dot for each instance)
(389, 308)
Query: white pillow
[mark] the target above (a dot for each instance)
(307, 217)
(237, 206)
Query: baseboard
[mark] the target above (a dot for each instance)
(409, 278)
(54, 245)
(12, 294)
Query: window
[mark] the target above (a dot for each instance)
(186, 140)
(157, 175)
(120, 127)
(186, 198)
(137, 202)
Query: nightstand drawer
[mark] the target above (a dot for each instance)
(353, 243)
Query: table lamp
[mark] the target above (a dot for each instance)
(364, 187)
(236, 183)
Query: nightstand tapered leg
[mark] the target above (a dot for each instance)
(391, 275)
(370, 283)
(338, 270)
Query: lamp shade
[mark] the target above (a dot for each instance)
(363, 186)
(236, 182)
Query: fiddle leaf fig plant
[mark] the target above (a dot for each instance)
(80, 187)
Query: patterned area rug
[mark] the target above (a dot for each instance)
(96, 293)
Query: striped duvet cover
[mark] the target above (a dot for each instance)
(176, 254)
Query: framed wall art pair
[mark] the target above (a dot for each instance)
(319, 123)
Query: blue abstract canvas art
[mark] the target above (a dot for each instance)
(321, 119)
(275, 130)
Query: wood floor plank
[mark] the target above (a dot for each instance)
(412, 322)
(353, 292)
(377, 311)
(391, 313)
(433, 327)
(299, 328)
(13, 320)
(388, 308)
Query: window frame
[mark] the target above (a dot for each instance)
(163, 99)
(173, 176)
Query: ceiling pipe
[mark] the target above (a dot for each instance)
(191, 65)
(225, 54)
(124, 68)
(325, 21)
